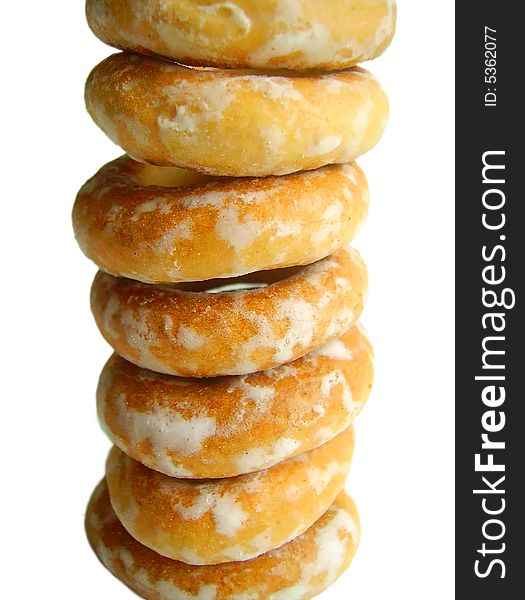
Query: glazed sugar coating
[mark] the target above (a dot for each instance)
(162, 224)
(236, 123)
(298, 570)
(171, 330)
(222, 427)
(287, 34)
(234, 519)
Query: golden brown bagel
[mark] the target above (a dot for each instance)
(303, 34)
(298, 570)
(171, 330)
(236, 123)
(161, 224)
(234, 519)
(222, 427)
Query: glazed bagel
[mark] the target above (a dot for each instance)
(161, 224)
(234, 519)
(236, 123)
(298, 570)
(222, 427)
(183, 330)
(309, 34)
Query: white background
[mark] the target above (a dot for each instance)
(53, 451)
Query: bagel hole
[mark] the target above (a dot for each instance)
(170, 177)
(249, 282)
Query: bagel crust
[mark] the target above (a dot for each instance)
(132, 223)
(236, 123)
(170, 330)
(298, 570)
(303, 34)
(222, 427)
(204, 522)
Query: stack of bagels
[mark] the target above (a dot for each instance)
(228, 291)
